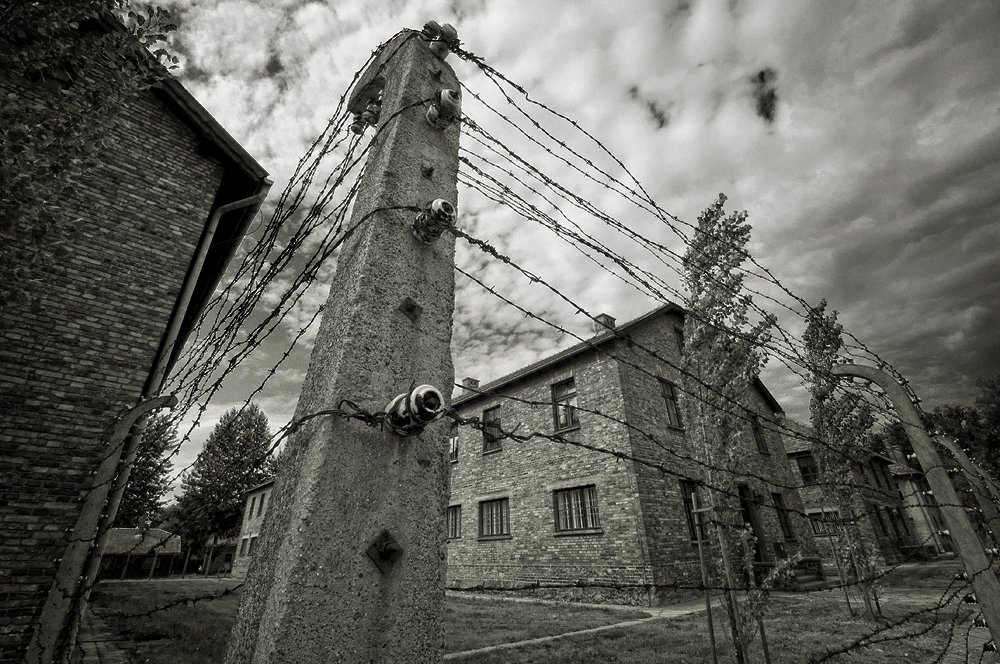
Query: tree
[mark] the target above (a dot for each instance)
(722, 355)
(70, 66)
(842, 423)
(233, 461)
(148, 482)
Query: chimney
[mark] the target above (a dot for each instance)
(470, 384)
(603, 323)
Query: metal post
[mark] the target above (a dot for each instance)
(67, 599)
(351, 558)
(967, 544)
(697, 511)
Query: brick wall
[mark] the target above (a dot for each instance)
(645, 537)
(672, 553)
(70, 367)
(528, 473)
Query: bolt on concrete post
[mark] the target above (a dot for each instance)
(963, 535)
(351, 562)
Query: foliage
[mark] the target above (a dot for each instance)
(843, 423)
(233, 461)
(149, 480)
(722, 355)
(70, 67)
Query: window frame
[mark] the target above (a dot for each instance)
(672, 404)
(260, 504)
(823, 517)
(453, 444)
(758, 434)
(570, 405)
(679, 338)
(253, 506)
(784, 519)
(504, 513)
(814, 475)
(589, 510)
(244, 543)
(491, 441)
(687, 488)
(456, 531)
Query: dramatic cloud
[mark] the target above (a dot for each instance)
(863, 139)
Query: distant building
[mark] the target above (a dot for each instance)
(895, 526)
(135, 553)
(254, 510)
(554, 513)
(112, 318)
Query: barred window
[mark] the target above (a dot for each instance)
(758, 434)
(491, 429)
(669, 392)
(824, 521)
(454, 521)
(494, 518)
(564, 405)
(576, 509)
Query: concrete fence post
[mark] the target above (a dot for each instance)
(351, 562)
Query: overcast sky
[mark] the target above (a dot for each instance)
(873, 184)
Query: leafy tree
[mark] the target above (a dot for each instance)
(70, 66)
(233, 461)
(843, 422)
(722, 356)
(149, 480)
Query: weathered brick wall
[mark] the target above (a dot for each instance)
(528, 473)
(673, 555)
(70, 367)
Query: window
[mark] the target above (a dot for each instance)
(874, 511)
(783, 520)
(253, 503)
(243, 546)
(491, 429)
(758, 434)
(453, 444)
(823, 521)
(494, 518)
(260, 505)
(253, 545)
(808, 468)
(679, 336)
(564, 405)
(576, 509)
(689, 487)
(454, 522)
(673, 408)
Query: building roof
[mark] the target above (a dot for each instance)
(140, 542)
(618, 332)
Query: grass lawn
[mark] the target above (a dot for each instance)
(800, 627)
(190, 634)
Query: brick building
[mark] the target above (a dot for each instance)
(254, 510)
(886, 521)
(112, 317)
(548, 512)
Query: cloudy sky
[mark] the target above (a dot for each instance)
(873, 181)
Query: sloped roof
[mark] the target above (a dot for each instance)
(139, 542)
(619, 332)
